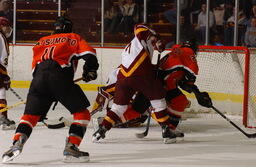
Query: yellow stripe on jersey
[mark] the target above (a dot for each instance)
(137, 31)
(3, 105)
(110, 90)
(109, 120)
(136, 65)
(163, 119)
(3, 71)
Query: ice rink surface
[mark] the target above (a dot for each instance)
(209, 142)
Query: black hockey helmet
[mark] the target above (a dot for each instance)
(63, 25)
(191, 43)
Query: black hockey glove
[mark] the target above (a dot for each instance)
(5, 81)
(204, 99)
(90, 68)
(89, 75)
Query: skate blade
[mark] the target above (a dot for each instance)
(6, 158)
(179, 139)
(5, 127)
(72, 159)
(170, 141)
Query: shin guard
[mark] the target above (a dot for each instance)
(78, 127)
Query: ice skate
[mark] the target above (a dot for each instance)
(168, 135)
(6, 124)
(179, 134)
(99, 134)
(15, 150)
(72, 154)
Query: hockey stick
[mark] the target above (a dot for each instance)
(17, 95)
(56, 126)
(253, 135)
(53, 126)
(12, 106)
(145, 133)
(62, 124)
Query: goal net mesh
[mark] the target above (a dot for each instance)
(228, 74)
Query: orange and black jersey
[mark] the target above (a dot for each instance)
(177, 64)
(64, 48)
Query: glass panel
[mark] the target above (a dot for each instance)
(247, 23)
(120, 16)
(161, 16)
(86, 16)
(35, 19)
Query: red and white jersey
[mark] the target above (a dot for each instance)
(61, 48)
(4, 54)
(180, 58)
(137, 55)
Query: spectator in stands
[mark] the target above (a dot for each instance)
(5, 10)
(171, 14)
(109, 14)
(253, 14)
(114, 25)
(229, 29)
(250, 35)
(130, 16)
(218, 12)
(228, 11)
(200, 28)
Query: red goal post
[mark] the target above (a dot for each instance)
(228, 73)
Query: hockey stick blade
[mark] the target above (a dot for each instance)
(145, 133)
(253, 135)
(54, 126)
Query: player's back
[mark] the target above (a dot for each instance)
(181, 57)
(58, 47)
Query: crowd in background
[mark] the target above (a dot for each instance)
(120, 16)
(221, 20)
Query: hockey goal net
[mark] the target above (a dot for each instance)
(229, 75)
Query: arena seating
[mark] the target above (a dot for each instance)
(35, 19)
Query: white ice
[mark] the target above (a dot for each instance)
(209, 142)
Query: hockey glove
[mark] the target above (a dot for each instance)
(5, 81)
(90, 69)
(204, 99)
(89, 75)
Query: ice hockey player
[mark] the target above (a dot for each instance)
(5, 32)
(137, 75)
(55, 59)
(132, 115)
(178, 69)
